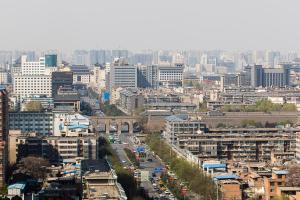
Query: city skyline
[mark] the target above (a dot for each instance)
(136, 25)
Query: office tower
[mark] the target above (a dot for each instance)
(28, 85)
(61, 79)
(3, 135)
(32, 79)
(147, 76)
(270, 77)
(32, 67)
(170, 76)
(51, 60)
(122, 75)
(271, 59)
(276, 77)
(256, 76)
(5, 59)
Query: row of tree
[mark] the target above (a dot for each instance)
(132, 157)
(196, 179)
(248, 122)
(260, 106)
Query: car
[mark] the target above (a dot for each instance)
(149, 160)
(123, 161)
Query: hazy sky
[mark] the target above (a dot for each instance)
(150, 24)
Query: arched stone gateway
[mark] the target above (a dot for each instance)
(118, 120)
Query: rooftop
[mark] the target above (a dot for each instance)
(280, 172)
(225, 176)
(20, 186)
(93, 165)
(177, 118)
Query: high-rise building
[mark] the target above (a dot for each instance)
(256, 76)
(32, 78)
(142, 58)
(81, 57)
(32, 67)
(51, 60)
(276, 77)
(122, 75)
(97, 57)
(120, 54)
(3, 135)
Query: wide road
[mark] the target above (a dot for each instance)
(144, 166)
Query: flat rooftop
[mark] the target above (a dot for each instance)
(92, 165)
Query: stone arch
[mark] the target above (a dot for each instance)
(136, 126)
(125, 126)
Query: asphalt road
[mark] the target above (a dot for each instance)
(144, 166)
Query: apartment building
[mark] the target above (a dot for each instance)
(182, 131)
(56, 149)
(28, 85)
(241, 145)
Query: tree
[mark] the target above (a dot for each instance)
(34, 106)
(289, 107)
(34, 166)
(293, 177)
(221, 125)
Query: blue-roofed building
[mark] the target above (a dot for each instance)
(280, 172)
(71, 125)
(183, 131)
(208, 166)
(225, 177)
